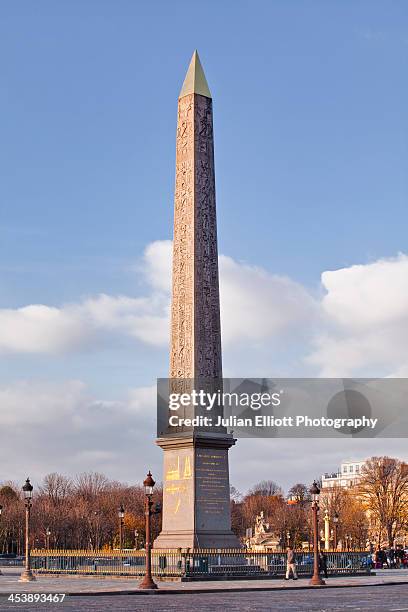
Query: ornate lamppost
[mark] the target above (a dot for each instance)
(47, 545)
(136, 539)
(27, 575)
(47, 538)
(335, 524)
(315, 580)
(326, 531)
(148, 483)
(121, 515)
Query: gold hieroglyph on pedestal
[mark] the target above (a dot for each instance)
(196, 506)
(176, 489)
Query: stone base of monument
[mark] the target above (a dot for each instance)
(196, 493)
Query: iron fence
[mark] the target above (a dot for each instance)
(11, 561)
(185, 564)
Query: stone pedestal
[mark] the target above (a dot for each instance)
(196, 497)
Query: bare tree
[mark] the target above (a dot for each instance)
(80, 513)
(12, 520)
(384, 490)
(90, 484)
(299, 491)
(266, 488)
(235, 495)
(57, 488)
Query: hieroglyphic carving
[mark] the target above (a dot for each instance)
(182, 314)
(207, 338)
(195, 322)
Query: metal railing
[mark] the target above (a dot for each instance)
(11, 562)
(199, 563)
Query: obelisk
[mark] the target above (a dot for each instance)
(196, 496)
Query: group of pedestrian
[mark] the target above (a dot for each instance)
(390, 558)
(381, 558)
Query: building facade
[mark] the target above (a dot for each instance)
(348, 475)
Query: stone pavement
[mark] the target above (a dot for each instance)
(387, 598)
(89, 585)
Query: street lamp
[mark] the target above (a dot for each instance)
(148, 483)
(121, 515)
(95, 527)
(335, 523)
(136, 539)
(315, 580)
(326, 531)
(27, 575)
(47, 538)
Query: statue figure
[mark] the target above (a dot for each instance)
(261, 526)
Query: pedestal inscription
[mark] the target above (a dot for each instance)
(212, 488)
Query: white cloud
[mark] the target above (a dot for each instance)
(365, 295)
(358, 327)
(141, 399)
(74, 327)
(157, 264)
(256, 306)
(145, 319)
(364, 320)
(34, 403)
(42, 329)
(63, 427)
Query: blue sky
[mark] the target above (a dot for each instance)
(310, 104)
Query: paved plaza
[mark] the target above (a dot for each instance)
(387, 598)
(388, 590)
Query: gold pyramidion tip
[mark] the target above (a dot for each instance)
(195, 81)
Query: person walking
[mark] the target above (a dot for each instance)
(388, 557)
(290, 564)
(391, 557)
(382, 558)
(323, 563)
(399, 556)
